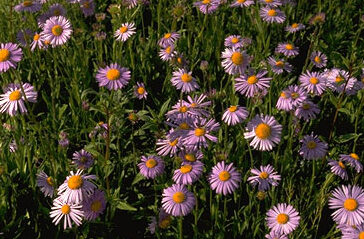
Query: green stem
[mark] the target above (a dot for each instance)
(180, 227)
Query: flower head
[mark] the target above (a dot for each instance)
(283, 218)
(125, 31)
(287, 49)
(224, 179)
(113, 77)
(295, 27)
(184, 81)
(151, 166)
(139, 91)
(45, 183)
(313, 82)
(83, 159)
(272, 14)
(252, 83)
(57, 30)
(353, 160)
(14, 98)
(177, 200)
(312, 147)
(188, 173)
(318, 59)
(207, 6)
(307, 110)
(168, 39)
(338, 168)
(28, 6)
(10, 55)
(234, 61)
(280, 65)
(70, 212)
(264, 177)
(235, 114)
(94, 205)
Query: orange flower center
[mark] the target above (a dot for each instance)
(50, 181)
(252, 79)
(15, 95)
(199, 132)
(57, 30)
(294, 25)
(338, 79)
(263, 175)
(66, 209)
(27, 3)
(283, 95)
(272, 13)
(279, 64)
(75, 182)
(263, 131)
(306, 106)
(282, 218)
(224, 176)
(241, 1)
(178, 197)
(186, 168)
(184, 126)
(123, 29)
(206, 1)
(350, 204)
(233, 108)
(237, 58)
(96, 206)
(173, 143)
(183, 109)
(151, 163)
(354, 156)
(36, 37)
(361, 235)
(113, 74)
(190, 157)
(317, 59)
(234, 40)
(167, 35)
(186, 77)
(289, 47)
(341, 165)
(311, 145)
(4, 55)
(168, 50)
(140, 90)
(314, 80)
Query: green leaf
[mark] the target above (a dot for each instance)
(347, 137)
(137, 179)
(125, 206)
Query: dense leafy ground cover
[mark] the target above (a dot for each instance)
(72, 111)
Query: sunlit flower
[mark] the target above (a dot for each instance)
(177, 200)
(10, 55)
(287, 49)
(57, 30)
(125, 31)
(272, 14)
(71, 212)
(224, 179)
(113, 77)
(264, 177)
(235, 114)
(234, 61)
(13, 100)
(282, 219)
(151, 166)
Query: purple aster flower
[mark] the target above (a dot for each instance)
(283, 218)
(285, 101)
(197, 106)
(318, 18)
(271, 14)
(76, 187)
(87, 7)
(83, 159)
(307, 110)
(181, 110)
(164, 219)
(313, 82)
(167, 53)
(101, 129)
(179, 60)
(280, 65)
(235, 114)
(188, 173)
(168, 146)
(274, 235)
(113, 77)
(71, 212)
(189, 155)
(252, 84)
(55, 10)
(224, 179)
(207, 6)
(125, 31)
(45, 183)
(298, 95)
(24, 36)
(287, 49)
(349, 204)
(353, 160)
(312, 147)
(10, 55)
(64, 142)
(295, 27)
(242, 3)
(265, 177)
(234, 61)
(181, 127)
(151, 166)
(94, 205)
(339, 80)
(265, 131)
(234, 41)
(184, 81)
(139, 91)
(57, 30)
(13, 99)
(318, 59)
(338, 168)
(28, 6)
(38, 42)
(177, 200)
(352, 232)
(271, 3)
(168, 39)
(201, 132)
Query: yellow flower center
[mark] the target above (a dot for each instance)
(314, 80)
(86, 4)
(361, 235)
(27, 3)
(234, 40)
(56, 12)
(75, 182)
(263, 175)
(123, 29)
(132, 117)
(46, 42)
(263, 131)
(341, 165)
(279, 64)
(167, 35)
(283, 95)
(306, 106)
(241, 1)
(66, 209)
(233, 108)
(252, 79)
(50, 181)
(178, 197)
(151, 163)
(354, 156)
(173, 143)
(140, 90)
(294, 25)
(183, 109)
(224, 176)
(362, 79)
(36, 37)
(165, 222)
(272, 13)
(179, 60)
(113, 74)
(101, 123)
(190, 157)
(96, 206)
(4, 55)
(193, 105)
(317, 59)
(311, 145)
(15, 95)
(184, 126)
(186, 77)
(268, 1)
(237, 58)
(57, 30)
(206, 1)
(199, 132)
(83, 159)
(289, 47)
(351, 204)
(282, 218)
(168, 50)
(294, 95)
(338, 79)
(186, 168)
